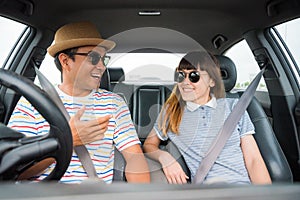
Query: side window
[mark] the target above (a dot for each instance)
(48, 68)
(9, 40)
(287, 36)
(246, 66)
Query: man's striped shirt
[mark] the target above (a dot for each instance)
(121, 132)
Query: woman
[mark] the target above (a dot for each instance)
(192, 117)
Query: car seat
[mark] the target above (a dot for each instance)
(270, 149)
(119, 161)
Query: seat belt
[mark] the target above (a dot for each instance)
(226, 130)
(81, 150)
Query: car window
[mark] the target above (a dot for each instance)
(154, 67)
(48, 68)
(159, 67)
(9, 39)
(147, 66)
(245, 62)
(246, 66)
(287, 35)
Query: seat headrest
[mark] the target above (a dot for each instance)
(116, 74)
(105, 81)
(228, 72)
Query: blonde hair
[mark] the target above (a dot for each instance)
(171, 114)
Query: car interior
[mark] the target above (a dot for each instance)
(154, 27)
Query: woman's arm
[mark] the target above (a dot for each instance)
(171, 167)
(255, 164)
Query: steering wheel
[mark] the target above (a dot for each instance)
(27, 151)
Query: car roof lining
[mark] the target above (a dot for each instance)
(222, 18)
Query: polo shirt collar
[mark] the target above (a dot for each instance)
(191, 106)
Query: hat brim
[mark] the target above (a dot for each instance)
(107, 44)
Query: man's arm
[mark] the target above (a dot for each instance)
(36, 169)
(136, 170)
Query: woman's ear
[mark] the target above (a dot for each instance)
(211, 83)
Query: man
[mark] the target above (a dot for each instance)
(100, 119)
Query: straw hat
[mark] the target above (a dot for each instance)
(76, 35)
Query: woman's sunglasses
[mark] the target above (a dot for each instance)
(95, 57)
(194, 76)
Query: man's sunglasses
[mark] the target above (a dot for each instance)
(194, 76)
(95, 57)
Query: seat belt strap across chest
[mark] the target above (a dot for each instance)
(226, 130)
(81, 150)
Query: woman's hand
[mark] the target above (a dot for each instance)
(173, 170)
